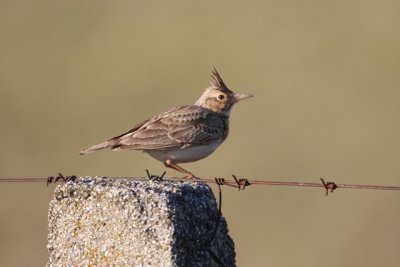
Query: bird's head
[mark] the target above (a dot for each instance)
(218, 97)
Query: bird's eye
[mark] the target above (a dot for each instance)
(221, 97)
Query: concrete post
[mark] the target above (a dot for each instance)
(97, 221)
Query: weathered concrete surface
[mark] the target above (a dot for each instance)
(133, 222)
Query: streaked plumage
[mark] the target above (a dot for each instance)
(183, 133)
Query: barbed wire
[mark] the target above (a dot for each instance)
(239, 183)
(24, 180)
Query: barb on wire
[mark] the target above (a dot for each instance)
(241, 182)
(156, 178)
(54, 180)
(328, 186)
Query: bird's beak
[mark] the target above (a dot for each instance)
(237, 97)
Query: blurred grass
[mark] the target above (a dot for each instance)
(326, 80)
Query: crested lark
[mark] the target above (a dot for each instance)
(183, 133)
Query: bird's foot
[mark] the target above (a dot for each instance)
(190, 177)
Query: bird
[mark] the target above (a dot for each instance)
(184, 133)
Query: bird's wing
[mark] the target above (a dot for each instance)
(179, 127)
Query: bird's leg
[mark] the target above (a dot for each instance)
(169, 164)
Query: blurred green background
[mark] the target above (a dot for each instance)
(326, 80)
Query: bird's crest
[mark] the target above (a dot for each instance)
(218, 82)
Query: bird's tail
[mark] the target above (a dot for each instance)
(94, 148)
